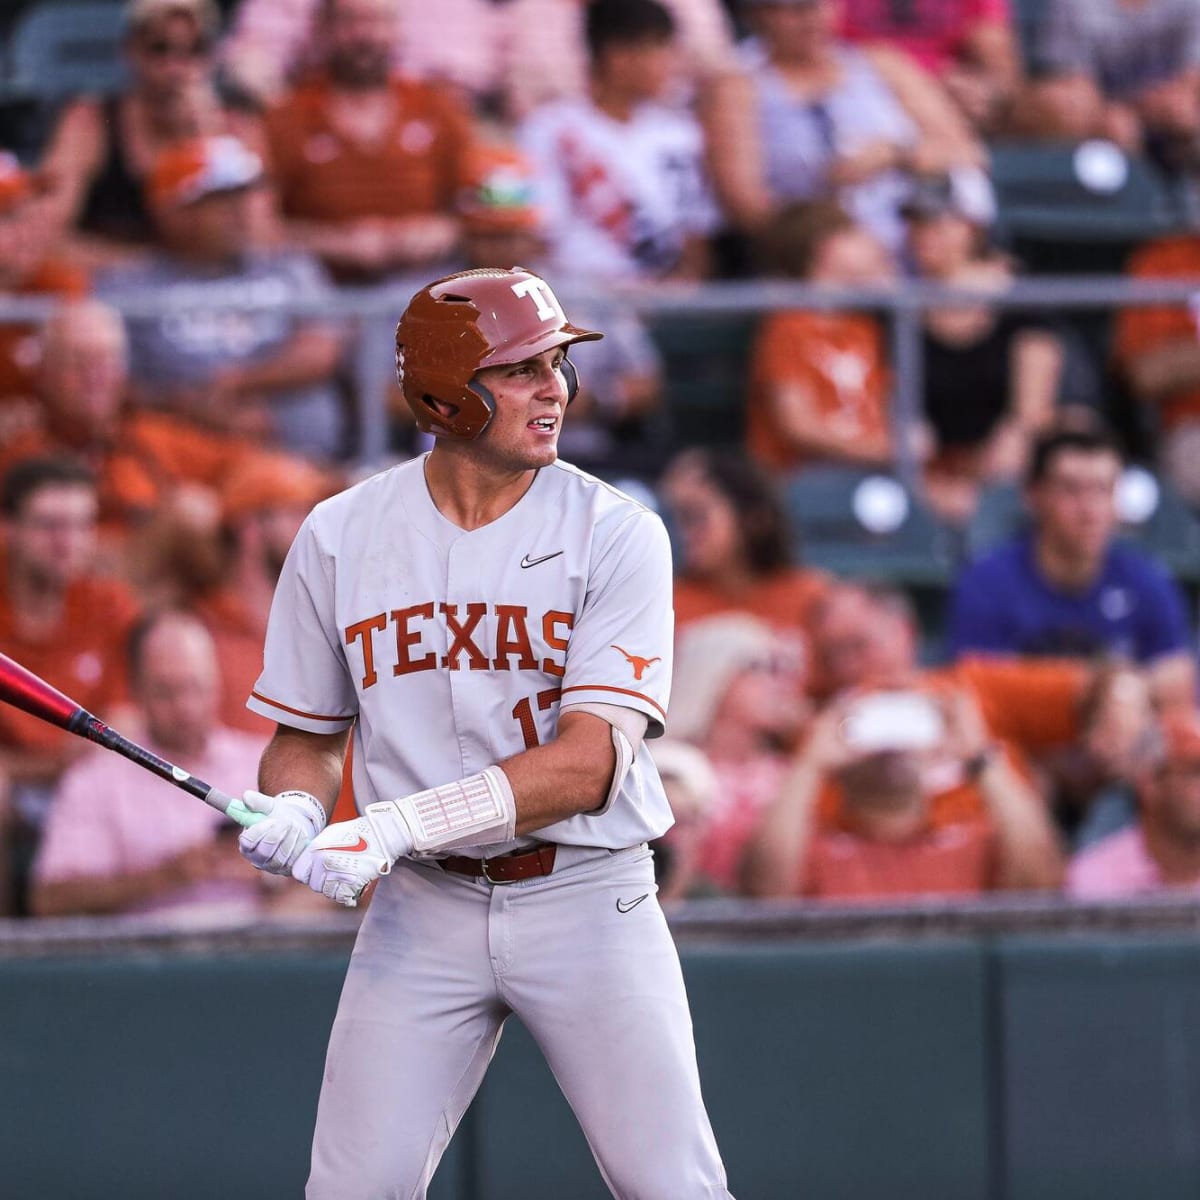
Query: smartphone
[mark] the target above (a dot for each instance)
(894, 721)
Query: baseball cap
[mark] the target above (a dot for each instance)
(963, 191)
(205, 13)
(499, 194)
(16, 183)
(267, 480)
(187, 171)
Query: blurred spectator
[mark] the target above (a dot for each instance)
(30, 265)
(621, 174)
(734, 547)
(226, 574)
(1067, 587)
(367, 163)
(886, 842)
(1158, 353)
(254, 370)
(812, 116)
(1045, 712)
(691, 787)
(968, 45)
(272, 44)
(1161, 850)
(703, 38)
(57, 617)
(737, 696)
(102, 151)
(991, 376)
(819, 380)
(616, 425)
(480, 47)
(1126, 70)
(146, 464)
(116, 839)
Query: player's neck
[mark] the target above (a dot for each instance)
(612, 101)
(468, 493)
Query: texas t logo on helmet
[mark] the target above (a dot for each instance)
(474, 319)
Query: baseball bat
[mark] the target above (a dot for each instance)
(21, 688)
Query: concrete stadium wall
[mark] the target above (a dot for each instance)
(960, 1068)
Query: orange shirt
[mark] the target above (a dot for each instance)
(84, 658)
(238, 634)
(786, 599)
(948, 860)
(1139, 330)
(19, 348)
(416, 168)
(150, 452)
(838, 358)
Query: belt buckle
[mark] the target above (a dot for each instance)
(483, 866)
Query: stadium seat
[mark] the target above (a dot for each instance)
(1085, 193)
(705, 364)
(63, 48)
(868, 525)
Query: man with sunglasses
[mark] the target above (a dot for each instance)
(102, 150)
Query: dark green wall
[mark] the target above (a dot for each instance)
(960, 1069)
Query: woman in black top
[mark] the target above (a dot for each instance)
(102, 150)
(991, 375)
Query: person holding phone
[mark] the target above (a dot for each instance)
(890, 753)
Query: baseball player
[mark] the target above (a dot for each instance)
(494, 629)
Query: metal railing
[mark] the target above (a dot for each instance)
(904, 304)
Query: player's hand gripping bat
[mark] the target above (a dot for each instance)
(23, 689)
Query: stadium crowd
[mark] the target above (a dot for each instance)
(199, 234)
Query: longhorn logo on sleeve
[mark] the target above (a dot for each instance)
(638, 663)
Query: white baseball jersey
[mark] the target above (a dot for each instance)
(619, 197)
(450, 649)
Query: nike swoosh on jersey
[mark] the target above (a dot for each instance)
(357, 848)
(622, 907)
(527, 562)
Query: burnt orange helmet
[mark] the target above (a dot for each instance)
(475, 319)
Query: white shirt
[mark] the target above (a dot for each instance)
(452, 649)
(619, 197)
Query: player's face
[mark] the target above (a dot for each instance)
(531, 397)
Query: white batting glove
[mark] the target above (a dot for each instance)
(349, 855)
(274, 843)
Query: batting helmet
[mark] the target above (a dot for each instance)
(474, 319)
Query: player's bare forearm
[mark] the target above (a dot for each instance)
(295, 760)
(565, 777)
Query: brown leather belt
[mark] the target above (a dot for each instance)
(506, 868)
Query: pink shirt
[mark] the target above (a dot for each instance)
(110, 817)
(1117, 866)
(932, 31)
(744, 793)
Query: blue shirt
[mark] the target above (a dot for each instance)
(1003, 604)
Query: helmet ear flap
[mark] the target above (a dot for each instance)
(570, 376)
(485, 394)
